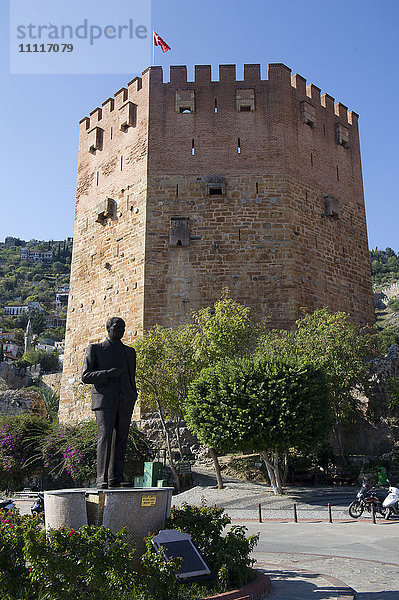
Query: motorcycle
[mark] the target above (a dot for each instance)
(366, 497)
(391, 502)
(6, 504)
(38, 506)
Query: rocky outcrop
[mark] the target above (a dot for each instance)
(15, 378)
(385, 367)
(17, 402)
(151, 427)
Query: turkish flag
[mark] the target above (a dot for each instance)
(158, 41)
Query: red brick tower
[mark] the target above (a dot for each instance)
(188, 187)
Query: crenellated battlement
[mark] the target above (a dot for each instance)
(279, 76)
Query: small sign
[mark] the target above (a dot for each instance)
(177, 543)
(148, 500)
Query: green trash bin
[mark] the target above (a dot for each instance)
(152, 472)
(382, 476)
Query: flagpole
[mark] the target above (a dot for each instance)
(153, 49)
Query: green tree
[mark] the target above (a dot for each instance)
(393, 304)
(266, 406)
(225, 330)
(38, 322)
(339, 348)
(165, 367)
(58, 266)
(21, 321)
(169, 360)
(48, 360)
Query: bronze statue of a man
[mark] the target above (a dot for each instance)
(110, 367)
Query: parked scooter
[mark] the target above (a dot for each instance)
(38, 506)
(366, 497)
(391, 502)
(6, 504)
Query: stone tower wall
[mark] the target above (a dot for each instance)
(107, 273)
(254, 185)
(267, 237)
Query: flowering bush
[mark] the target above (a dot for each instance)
(15, 579)
(16, 450)
(69, 452)
(55, 455)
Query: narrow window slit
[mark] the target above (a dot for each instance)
(111, 133)
(192, 147)
(257, 188)
(177, 190)
(337, 173)
(238, 145)
(239, 235)
(311, 159)
(121, 163)
(216, 105)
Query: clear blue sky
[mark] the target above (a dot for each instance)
(348, 48)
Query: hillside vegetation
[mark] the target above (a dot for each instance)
(384, 267)
(23, 281)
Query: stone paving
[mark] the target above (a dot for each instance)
(312, 559)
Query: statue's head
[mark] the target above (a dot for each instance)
(116, 328)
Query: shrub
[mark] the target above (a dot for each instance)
(57, 455)
(16, 462)
(93, 562)
(159, 581)
(69, 452)
(387, 337)
(14, 573)
(233, 564)
(88, 563)
(228, 556)
(393, 304)
(48, 360)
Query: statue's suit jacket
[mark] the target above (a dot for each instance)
(106, 390)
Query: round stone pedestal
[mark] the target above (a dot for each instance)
(140, 511)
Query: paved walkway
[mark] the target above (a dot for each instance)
(312, 559)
